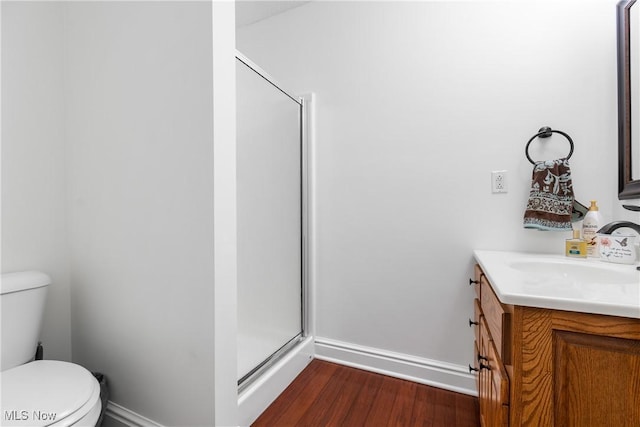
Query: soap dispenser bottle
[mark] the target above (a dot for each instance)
(590, 225)
(576, 247)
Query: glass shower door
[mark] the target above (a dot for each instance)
(269, 172)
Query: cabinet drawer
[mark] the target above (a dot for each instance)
(477, 274)
(498, 320)
(477, 313)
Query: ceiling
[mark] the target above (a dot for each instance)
(251, 11)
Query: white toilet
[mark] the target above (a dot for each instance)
(38, 393)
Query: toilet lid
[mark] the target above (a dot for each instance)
(43, 392)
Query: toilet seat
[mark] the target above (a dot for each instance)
(49, 393)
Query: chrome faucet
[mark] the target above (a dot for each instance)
(613, 226)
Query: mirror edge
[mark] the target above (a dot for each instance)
(627, 188)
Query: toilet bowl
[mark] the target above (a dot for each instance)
(49, 393)
(38, 393)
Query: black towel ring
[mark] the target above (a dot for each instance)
(545, 132)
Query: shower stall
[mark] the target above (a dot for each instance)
(272, 223)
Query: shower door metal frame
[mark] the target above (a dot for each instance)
(305, 320)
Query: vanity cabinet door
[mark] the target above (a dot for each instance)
(597, 380)
(483, 379)
(493, 382)
(499, 384)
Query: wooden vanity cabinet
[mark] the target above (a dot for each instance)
(552, 367)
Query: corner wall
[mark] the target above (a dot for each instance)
(141, 203)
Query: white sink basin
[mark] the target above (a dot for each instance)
(574, 272)
(561, 283)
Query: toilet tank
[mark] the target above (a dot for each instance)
(22, 298)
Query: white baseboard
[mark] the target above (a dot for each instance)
(443, 375)
(128, 417)
(257, 397)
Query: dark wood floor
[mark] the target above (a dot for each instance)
(326, 394)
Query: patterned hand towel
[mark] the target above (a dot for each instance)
(551, 197)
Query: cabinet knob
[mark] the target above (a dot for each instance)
(481, 357)
(482, 366)
(473, 282)
(472, 323)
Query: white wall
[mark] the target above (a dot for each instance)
(140, 172)
(34, 234)
(417, 102)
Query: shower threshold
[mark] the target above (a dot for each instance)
(256, 372)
